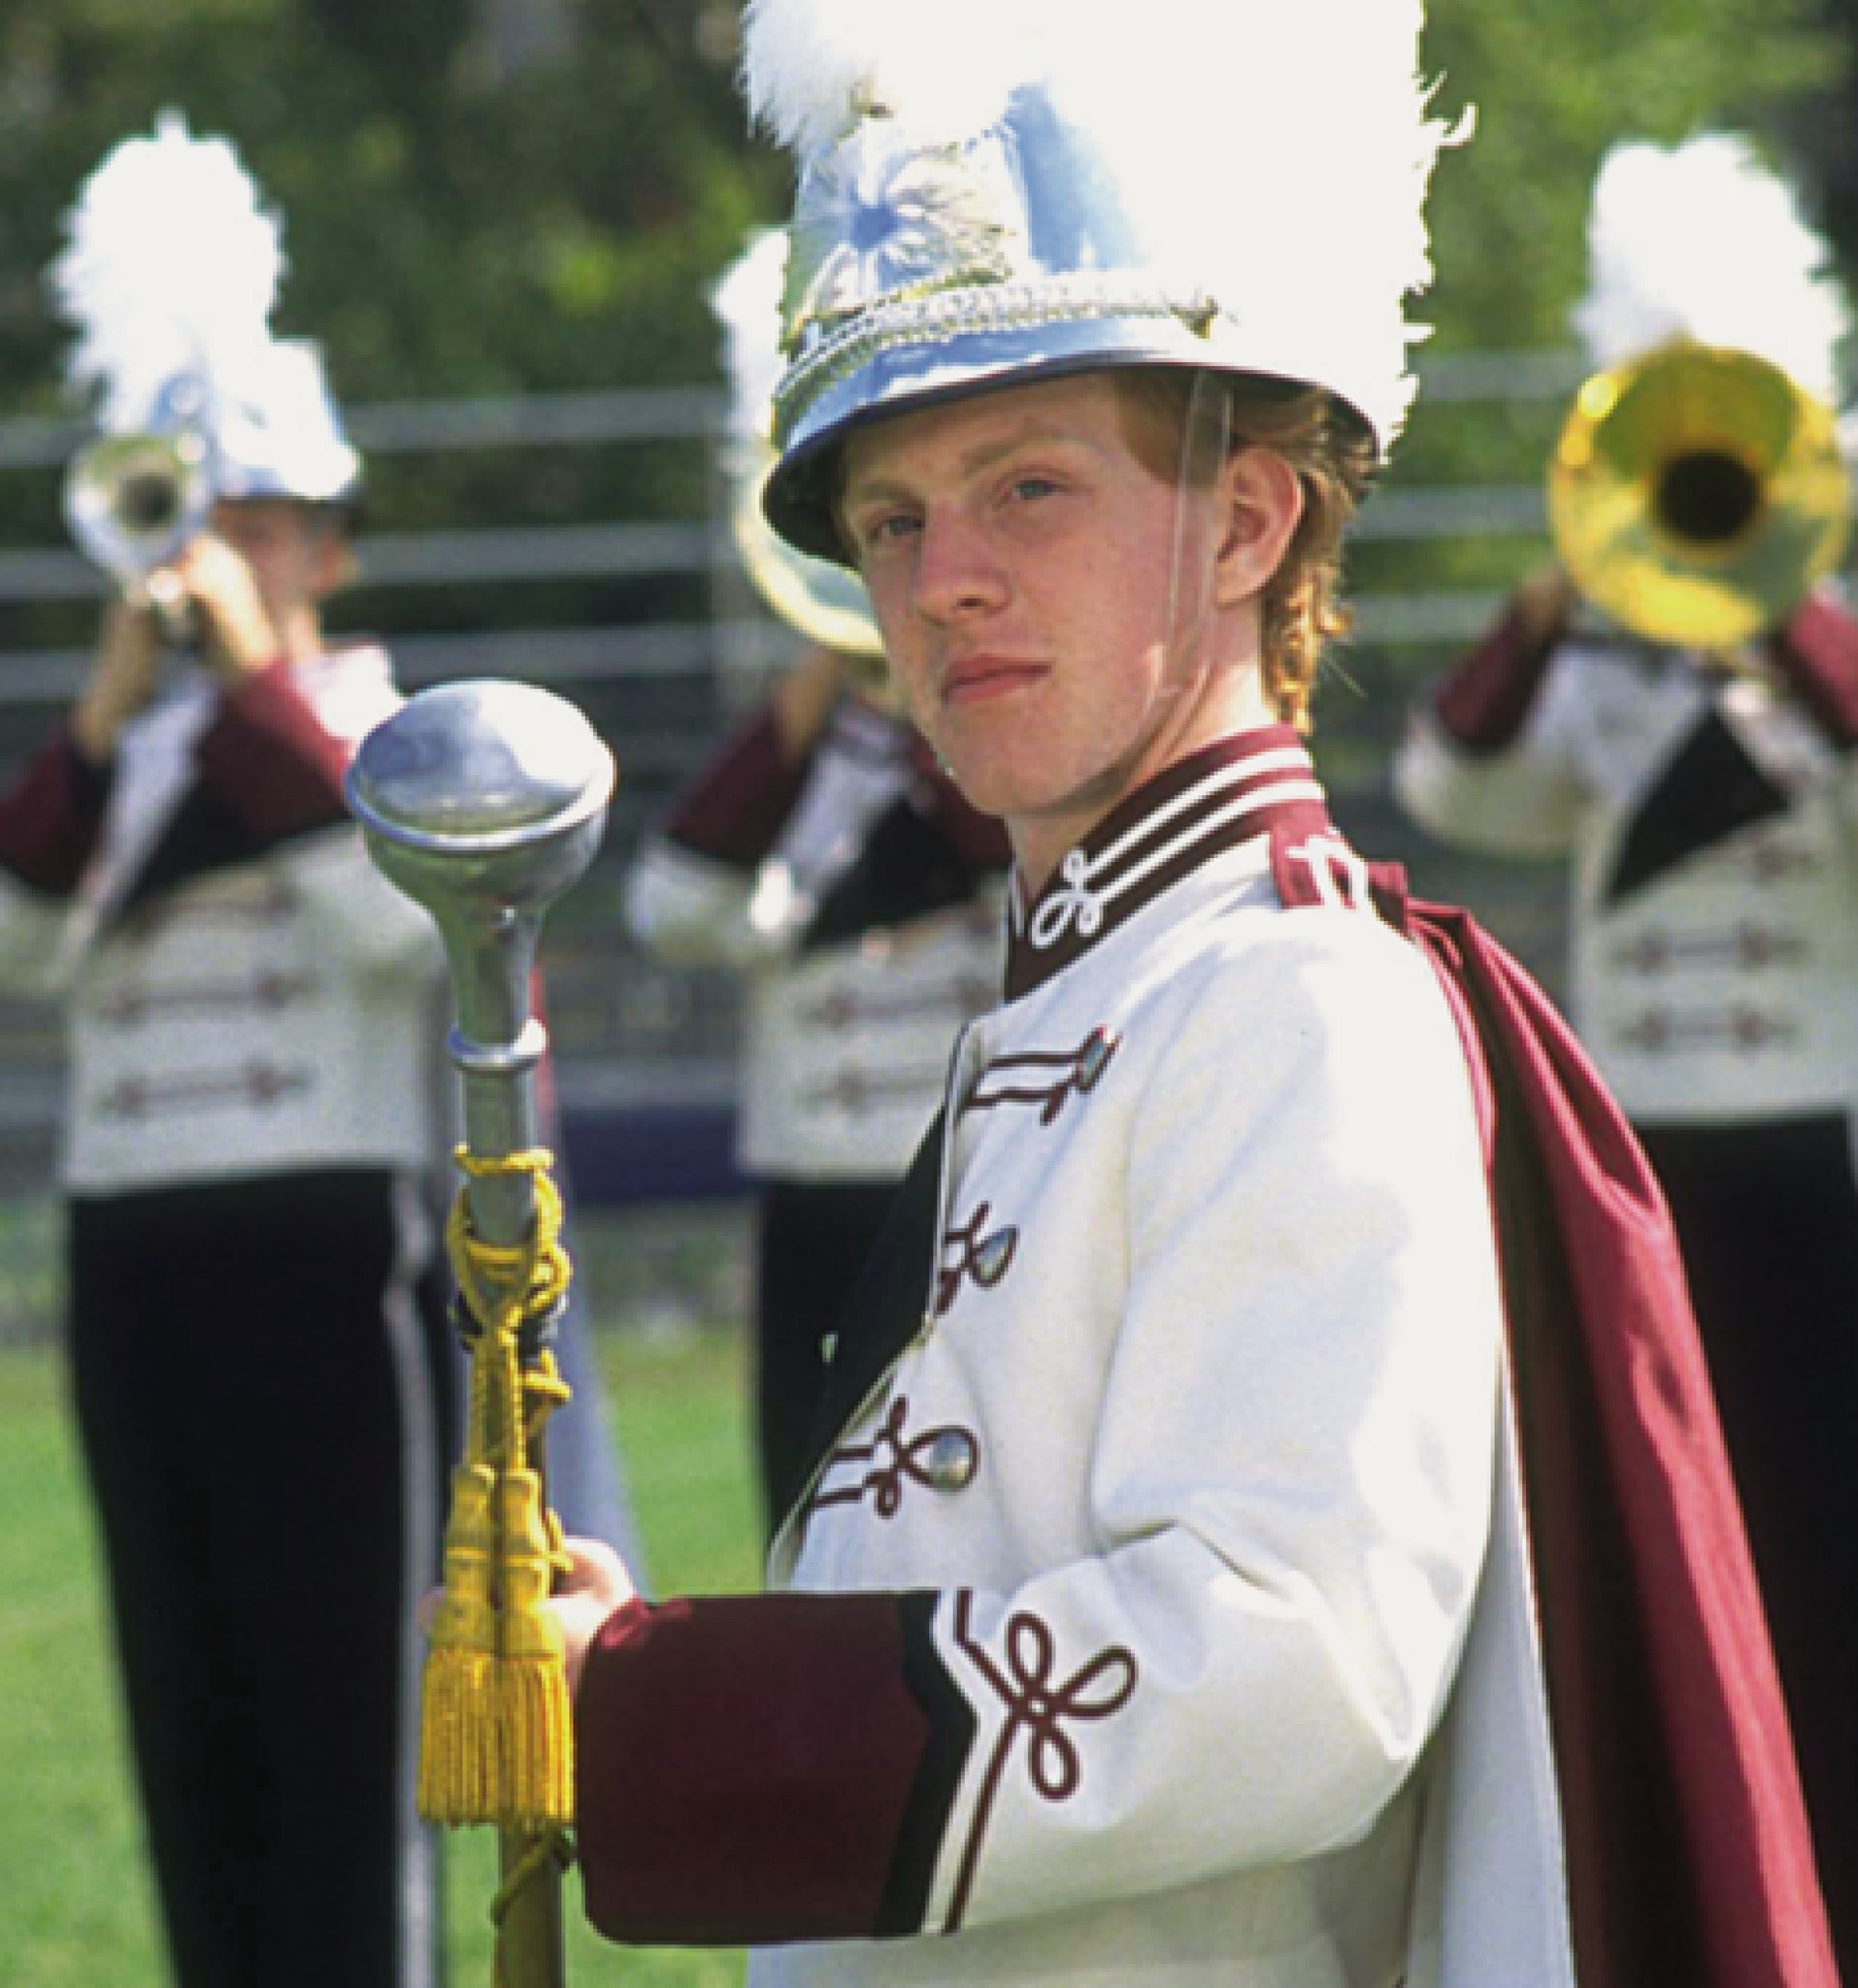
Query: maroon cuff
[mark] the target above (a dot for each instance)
(1485, 701)
(1817, 652)
(270, 759)
(754, 1769)
(736, 808)
(51, 816)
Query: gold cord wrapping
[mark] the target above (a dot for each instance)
(495, 1742)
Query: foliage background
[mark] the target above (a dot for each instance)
(470, 215)
(502, 196)
(499, 196)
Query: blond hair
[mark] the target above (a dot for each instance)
(1334, 457)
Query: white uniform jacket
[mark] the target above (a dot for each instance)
(1157, 1612)
(866, 931)
(1712, 822)
(248, 994)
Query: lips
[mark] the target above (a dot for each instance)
(979, 678)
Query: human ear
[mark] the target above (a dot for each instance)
(1261, 499)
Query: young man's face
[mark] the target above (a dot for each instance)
(1036, 584)
(296, 555)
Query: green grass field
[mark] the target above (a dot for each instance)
(74, 1902)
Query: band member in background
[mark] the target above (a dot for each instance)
(1707, 795)
(261, 1364)
(259, 1357)
(825, 855)
(1158, 1600)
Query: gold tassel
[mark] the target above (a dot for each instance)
(463, 1777)
(496, 1727)
(534, 1715)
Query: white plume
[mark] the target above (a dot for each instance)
(944, 67)
(1704, 242)
(171, 270)
(746, 301)
(1275, 155)
(1272, 154)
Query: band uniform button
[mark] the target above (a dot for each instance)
(954, 1456)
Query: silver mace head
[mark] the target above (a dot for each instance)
(482, 798)
(484, 802)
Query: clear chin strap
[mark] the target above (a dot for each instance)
(1205, 441)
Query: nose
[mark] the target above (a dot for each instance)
(958, 574)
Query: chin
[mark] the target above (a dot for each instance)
(1005, 795)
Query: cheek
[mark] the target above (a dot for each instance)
(900, 634)
(912, 688)
(888, 593)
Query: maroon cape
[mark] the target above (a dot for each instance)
(1689, 1856)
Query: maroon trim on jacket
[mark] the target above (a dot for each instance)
(736, 808)
(51, 816)
(269, 758)
(1232, 791)
(754, 1769)
(1817, 653)
(1487, 699)
(1689, 1852)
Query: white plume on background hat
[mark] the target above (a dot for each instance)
(169, 278)
(991, 189)
(824, 602)
(1704, 242)
(746, 301)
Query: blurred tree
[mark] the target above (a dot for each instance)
(1832, 135)
(467, 216)
(454, 225)
(1554, 83)
(457, 223)
(448, 230)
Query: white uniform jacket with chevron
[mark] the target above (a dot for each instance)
(248, 994)
(1712, 823)
(1162, 1565)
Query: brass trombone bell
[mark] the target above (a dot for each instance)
(826, 604)
(134, 501)
(1698, 494)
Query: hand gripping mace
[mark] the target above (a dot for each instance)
(484, 802)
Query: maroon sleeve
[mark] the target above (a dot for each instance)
(754, 1770)
(1486, 701)
(51, 816)
(270, 759)
(1817, 652)
(736, 808)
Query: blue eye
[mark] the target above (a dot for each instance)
(1034, 487)
(890, 528)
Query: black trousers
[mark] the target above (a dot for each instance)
(265, 1398)
(1768, 1217)
(811, 1242)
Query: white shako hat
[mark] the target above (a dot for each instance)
(993, 191)
(169, 276)
(826, 603)
(1703, 243)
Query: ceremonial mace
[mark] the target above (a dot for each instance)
(484, 802)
